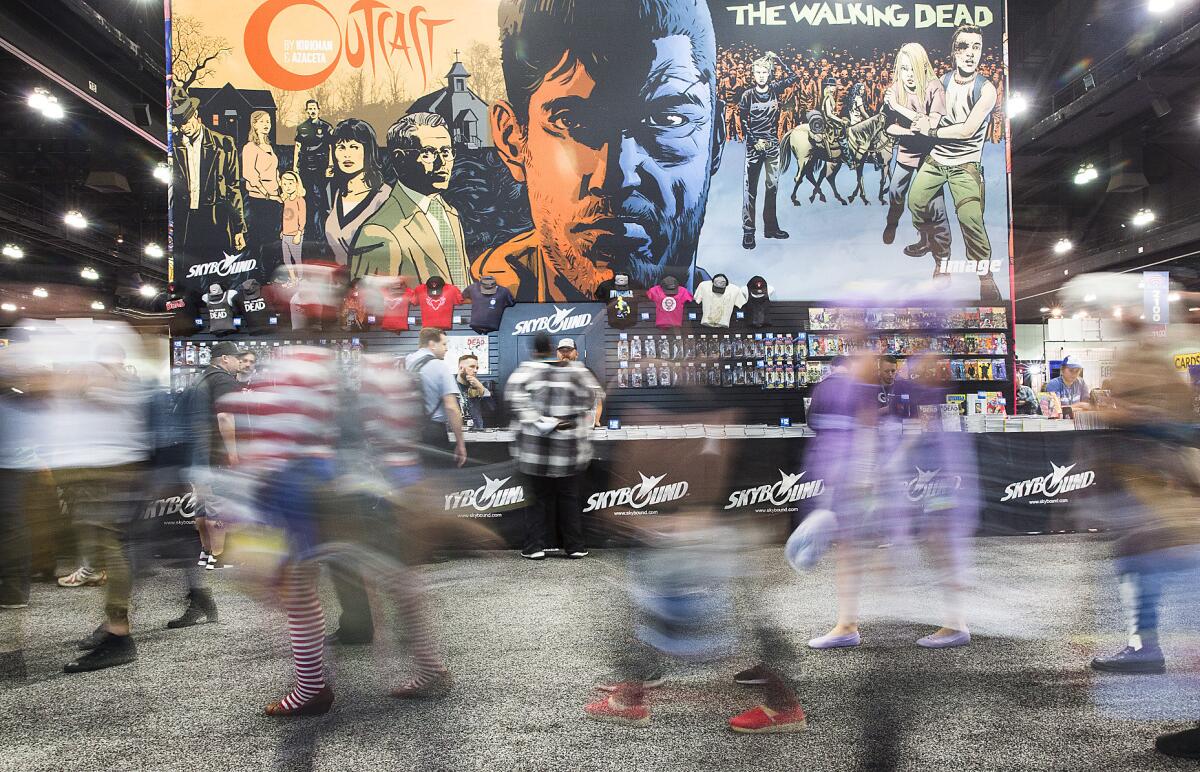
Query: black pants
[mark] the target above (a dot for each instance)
(14, 535)
(554, 516)
(756, 162)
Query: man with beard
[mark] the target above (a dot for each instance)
(613, 125)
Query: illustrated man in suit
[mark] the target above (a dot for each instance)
(209, 221)
(416, 232)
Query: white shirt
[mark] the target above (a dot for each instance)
(959, 102)
(718, 307)
(191, 149)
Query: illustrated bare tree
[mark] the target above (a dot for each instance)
(487, 77)
(284, 102)
(192, 51)
(351, 92)
(397, 88)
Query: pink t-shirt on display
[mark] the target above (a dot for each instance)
(668, 309)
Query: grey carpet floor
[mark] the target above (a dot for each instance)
(527, 641)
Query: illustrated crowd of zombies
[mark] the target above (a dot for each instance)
(935, 125)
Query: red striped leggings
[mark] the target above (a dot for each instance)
(306, 629)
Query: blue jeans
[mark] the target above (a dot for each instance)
(1142, 580)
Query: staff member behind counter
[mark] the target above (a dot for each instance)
(1070, 387)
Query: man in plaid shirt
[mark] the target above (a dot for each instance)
(552, 404)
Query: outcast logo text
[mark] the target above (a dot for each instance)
(647, 493)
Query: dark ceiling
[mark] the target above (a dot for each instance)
(1109, 83)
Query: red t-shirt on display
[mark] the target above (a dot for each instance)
(437, 311)
(668, 309)
(395, 311)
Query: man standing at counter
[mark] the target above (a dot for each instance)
(1070, 387)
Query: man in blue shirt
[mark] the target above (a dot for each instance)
(1070, 387)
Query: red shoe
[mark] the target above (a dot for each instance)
(317, 705)
(605, 710)
(759, 721)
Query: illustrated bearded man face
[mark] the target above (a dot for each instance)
(615, 134)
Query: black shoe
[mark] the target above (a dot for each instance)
(344, 637)
(1181, 745)
(778, 233)
(96, 638)
(11, 597)
(920, 249)
(752, 675)
(989, 293)
(889, 233)
(748, 241)
(114, 650)
(1148, 659)
(200, 607)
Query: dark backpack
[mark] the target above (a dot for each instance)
(184, 435)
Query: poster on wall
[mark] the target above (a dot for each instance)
(827, 146)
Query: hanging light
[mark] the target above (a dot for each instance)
(9, 307)
(148, 290)
(1143, 216)
(1160, 6)
(75, 219)
(45, 103)
(89, 273)
(1017, 104)
(1056, 313)
(40, 292)
(13, 251)
(1044, 309)
(153, 250)
(1063, 246)
(97, 305)
(162, 172)
(1085, 174)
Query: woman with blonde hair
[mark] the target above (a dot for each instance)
(264, 204)
(914, 102)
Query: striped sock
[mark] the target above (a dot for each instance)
(410, 591)
(306, 629)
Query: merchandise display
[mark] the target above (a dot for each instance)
(760, 360)
(758, 301)
(622, 311)
(437, 300)
(717, 299)
(669, 299)
(256, 316)
(619, 285)
(219, 309)
(396, 302)
(488, 300)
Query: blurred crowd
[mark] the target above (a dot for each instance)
(296, 472)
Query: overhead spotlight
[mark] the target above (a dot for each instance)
(40, 292)
(1194, 309)
(1089, 298)
(13, 251)
(1044, 309)
(120, 239)
(148, 290)
(1174, 297)
(1066, 272)
(9, 307)
(1143, 217)
(89, 273)
(153, 250)
(1085, 174)
(54, 111)
(162, 172)
(1063, 246)
(97, 305)
(1017, 103)
(1160, 6)
(45, 103)
(75, 219)
(1056, 313)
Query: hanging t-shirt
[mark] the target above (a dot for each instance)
(756, 311)
(622, 310)
(607, 289)
(256, 317)
(437, 311)
(718, 307)
(220, 312)
(668, 309)
(487, 310)
(395, 310)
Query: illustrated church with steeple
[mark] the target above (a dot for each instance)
(465, 113)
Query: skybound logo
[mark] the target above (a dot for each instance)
(1056, 483)
(184, 506)
(789, 490)
(490, 496)
(560, 321)
(928, 485)
(226, 266)
(647, 493)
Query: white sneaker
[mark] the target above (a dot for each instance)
(211, 564)
(579, 554)
(82, 577)
(203, 561)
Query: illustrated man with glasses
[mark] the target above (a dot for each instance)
(415, 232)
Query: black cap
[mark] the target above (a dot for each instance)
(669, 284)
(435, 285)
(225, 348)
(719, 283)
(757, 287)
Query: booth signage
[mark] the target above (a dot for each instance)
(1156, 287)
(780, 496)
(1050, 487)
(1184, 361)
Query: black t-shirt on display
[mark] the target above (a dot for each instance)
(622, 310)
(756, 311)
(256, 316)
(487, 310)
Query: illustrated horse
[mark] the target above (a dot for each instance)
(817, 149)
(869, 143)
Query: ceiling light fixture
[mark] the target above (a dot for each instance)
(9, 307)
(13, 251)
(1056, 313)
(162, 172)
(1063, 246)
(153, 250)
(1085, 174)
(1044, 309)
(1017, 103)
(1174, 297)
(89, 273)
(40, 292)
(97, 305)
(75, 219)
(1143, 217)
(46, 103)
(148, 290)
(1160, 6)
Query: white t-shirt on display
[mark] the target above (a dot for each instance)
(718, 307)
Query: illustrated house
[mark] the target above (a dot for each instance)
(463, 110)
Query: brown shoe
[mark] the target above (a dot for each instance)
(317, 705)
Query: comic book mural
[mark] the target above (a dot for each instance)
(550, 142)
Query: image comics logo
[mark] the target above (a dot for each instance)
(561, 320)
(645, 494)
(1059, 481)
(790, 489)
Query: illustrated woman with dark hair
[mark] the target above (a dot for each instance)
(358, 187)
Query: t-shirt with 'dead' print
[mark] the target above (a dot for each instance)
(668, 309)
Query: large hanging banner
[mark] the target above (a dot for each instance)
(827, 146)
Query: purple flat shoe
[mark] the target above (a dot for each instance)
(836, 641)
(935, 641)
